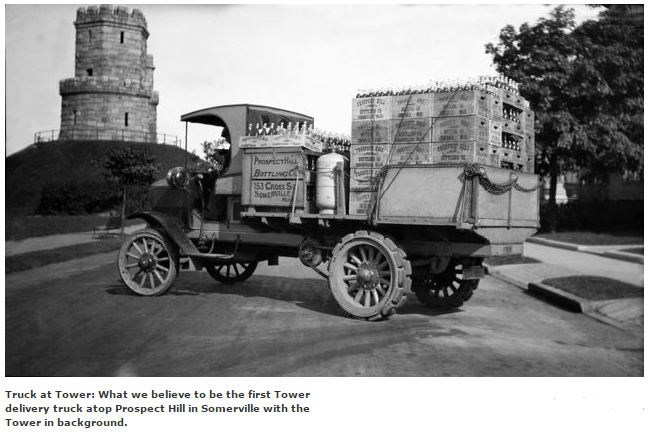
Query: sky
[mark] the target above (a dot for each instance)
(304, 58)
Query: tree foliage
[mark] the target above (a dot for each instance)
(126, 167)
(585, 84)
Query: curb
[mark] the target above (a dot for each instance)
(563, 299)
(614, 254)
(623, 256)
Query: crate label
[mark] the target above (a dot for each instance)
(411, 130)
(495, 134)
(367, 156)
(275, 193)
(359, 202)
(276, 166)
(369, 132)
(411, 153)
(461, 103)
(412, 106)
(371, 108)
(363, 179)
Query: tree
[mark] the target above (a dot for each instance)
(126, 167)
(585, 84)
(540, 57)
(609, 67)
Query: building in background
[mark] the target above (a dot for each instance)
(111, 96)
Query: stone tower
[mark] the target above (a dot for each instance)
(111, 96)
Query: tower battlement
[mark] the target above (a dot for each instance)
(119, 16)
(104, 84)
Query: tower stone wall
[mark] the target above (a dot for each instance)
(111, 96)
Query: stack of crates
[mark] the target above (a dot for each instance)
(457, 127)
(466, 128)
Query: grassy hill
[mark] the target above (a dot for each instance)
(43, 163)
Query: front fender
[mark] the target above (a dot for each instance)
(164, 222)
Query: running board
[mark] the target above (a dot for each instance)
(211, 256)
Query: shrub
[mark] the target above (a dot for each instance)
(597, 216)
(77, 198)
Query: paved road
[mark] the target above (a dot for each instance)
(83, 322)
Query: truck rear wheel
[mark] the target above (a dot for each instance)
(369, 275)
(446, 290)
(232, 272)
(148, 262)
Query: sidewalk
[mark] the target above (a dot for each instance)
(611, 251)
(54, 241)
(560, 262)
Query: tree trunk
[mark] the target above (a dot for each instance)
(123, 210)
(552, 191)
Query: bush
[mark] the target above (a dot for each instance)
(77, 198)
(597, 216)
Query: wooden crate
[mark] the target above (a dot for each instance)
(412, 106)
(461, 128)
(411, 130)
(462, 103)
(411, 153)
(496, 111)
(512, 156)
(371, 108)
(465, 152)
(369, 132)
(529, 121)
(512, 128)
(368, 156)
(510, 98)
(281, 141)
(529, 144)
(359, 202)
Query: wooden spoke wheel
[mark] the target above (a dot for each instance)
(368, 275)
(446, 290)
(148, 262)
(231, 272)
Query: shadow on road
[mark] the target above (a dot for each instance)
(310, 294)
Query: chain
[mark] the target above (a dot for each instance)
(492, 187)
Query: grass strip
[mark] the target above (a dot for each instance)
(594, 239)
(27, 261)
(510, 260)
(595, 287)
(21, 227)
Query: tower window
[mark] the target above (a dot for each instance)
(121, 37)
(126, 119)
(74, 121)
(90, 35)
(89, 71)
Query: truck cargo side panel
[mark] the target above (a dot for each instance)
(424, 191)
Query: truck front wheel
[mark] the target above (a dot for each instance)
(148, 262)
(368, 275)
